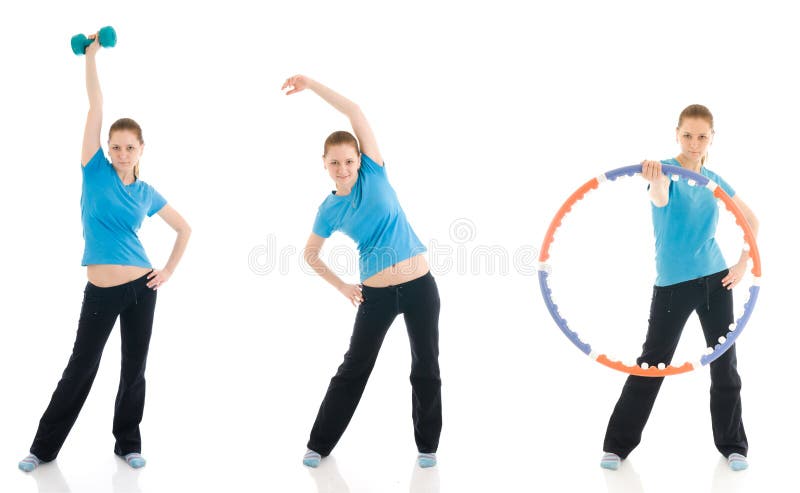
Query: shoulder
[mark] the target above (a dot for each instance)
(718, 180)
(151, 193)
(370, 166)
(323, 223)
(328, 200)
(328, 206)
(146, 187)
(144, 184)
(97, 161)
(710, 174)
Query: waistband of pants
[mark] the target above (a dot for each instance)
(699, 281)
(427, 277)
(141, 281)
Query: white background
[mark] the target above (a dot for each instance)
(488, 115)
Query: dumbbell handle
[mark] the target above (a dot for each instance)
(107, 37)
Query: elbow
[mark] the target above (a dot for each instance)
(185, 231)
(354, 111)
(311, 257)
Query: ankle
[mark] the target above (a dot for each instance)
(426, 460)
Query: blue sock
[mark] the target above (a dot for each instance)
(610, 461)
(311, 459)
(29, 463)
(135, 460)
(737, 462)
(426, 460)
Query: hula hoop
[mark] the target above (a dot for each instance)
(646, 369)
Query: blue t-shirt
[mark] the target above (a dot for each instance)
(372, 217)
(112, 214)
(684, 231)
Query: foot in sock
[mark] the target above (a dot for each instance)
(737, 462)
(311, 459)
(135, 460)
(29, 463)
(426, 460)
(610, 461)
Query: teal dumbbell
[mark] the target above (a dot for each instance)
(107, 36)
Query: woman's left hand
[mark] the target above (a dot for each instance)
(158, 277)
(735, 275)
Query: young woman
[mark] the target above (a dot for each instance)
(121, 284)
(691, 277)
(395, 279)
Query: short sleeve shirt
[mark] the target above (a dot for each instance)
(684, 231)
(112, 213)
(372, 217)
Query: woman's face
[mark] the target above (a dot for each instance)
(342, 162)
(125, 150)
(694, 136)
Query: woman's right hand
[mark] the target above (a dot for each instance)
(651, 171)
(296, 83)
(353, 293)
(659, 182)
(92, 49)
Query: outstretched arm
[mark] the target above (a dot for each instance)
(351, 110)
(659, 182)
(311, 255)
(94, 120)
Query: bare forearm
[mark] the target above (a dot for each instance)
(177, 249)
(320, 268)
(659, 192)
(94, 118)
(341, 103)
(93, 85)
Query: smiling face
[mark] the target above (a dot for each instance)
(125, 150)
(694, 136)
(342, 162)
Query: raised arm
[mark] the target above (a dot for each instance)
(351, 110)
(311, 255)
(94, 120)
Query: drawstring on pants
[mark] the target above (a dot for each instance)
(132, 290)
(703, 281)
(397, 298)
(397, 294)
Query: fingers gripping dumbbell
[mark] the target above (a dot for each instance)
(106, 35)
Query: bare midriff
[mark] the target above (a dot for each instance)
(403, 271)
(108, 275)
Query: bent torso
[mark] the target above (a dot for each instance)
(108, 275)
(404, 271)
